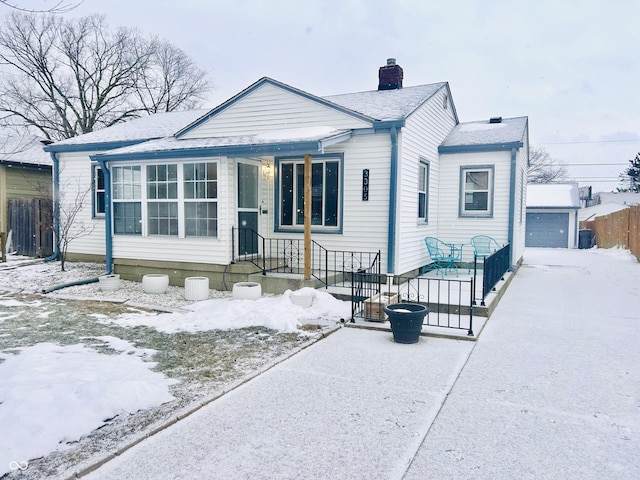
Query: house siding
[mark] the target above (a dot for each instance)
(456, 229)
(271, 108)
(424, 130)
(520, 214)
(75, 178)
(365, 223)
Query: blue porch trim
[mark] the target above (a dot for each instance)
(393, 200)
(88, 147)
(272, 149)
(108, 236)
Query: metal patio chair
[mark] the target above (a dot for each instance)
(484, 245)
(444, 255)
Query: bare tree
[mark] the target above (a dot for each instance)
(543, 168)
(53, 6)
(65, 77)
(70, 226)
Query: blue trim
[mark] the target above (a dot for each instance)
(512, 202)
(301, 148)
(87, 147)
(487, 147)
(490, 198)
(276, 196)
(108, 240)
(252, 88)
(56, 208)
(388, 124)
(393, 194)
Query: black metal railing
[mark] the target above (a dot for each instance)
(494, 267)
(450, 302)
(286, 255)
(366, 285)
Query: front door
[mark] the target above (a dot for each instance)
(248, 208)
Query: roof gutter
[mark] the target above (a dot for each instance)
(56, 208)
(393, 194)
(108, 237)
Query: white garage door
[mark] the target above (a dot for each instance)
(547, 230)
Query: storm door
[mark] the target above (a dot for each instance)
(248, 208)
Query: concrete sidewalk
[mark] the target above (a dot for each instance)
(354, 405)
(550, 391)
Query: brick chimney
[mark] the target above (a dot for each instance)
(390, 76)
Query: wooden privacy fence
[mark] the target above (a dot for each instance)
(621, 228)
(31, 226)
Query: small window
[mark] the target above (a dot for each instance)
(98, 192)
(423, 191)
(476, 192)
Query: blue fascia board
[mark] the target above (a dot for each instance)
(488, 147)
(388, 124)
(90, 147)
(227, 150)
(263, 81)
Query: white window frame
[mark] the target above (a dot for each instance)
(423, 190)
(177, 197)
(465, 193)
(128, 191)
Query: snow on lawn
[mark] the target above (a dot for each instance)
(50, 394)
(277, 313)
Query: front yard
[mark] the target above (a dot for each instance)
(180, 366)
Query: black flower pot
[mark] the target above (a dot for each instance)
(406, 321)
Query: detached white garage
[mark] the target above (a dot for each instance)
(552, 215)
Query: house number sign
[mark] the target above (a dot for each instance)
(365, 184)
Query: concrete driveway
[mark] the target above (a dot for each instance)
(551, 390)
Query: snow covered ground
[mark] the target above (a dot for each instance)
(71, 371)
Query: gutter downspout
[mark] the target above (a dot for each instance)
(108, 241)
(512, 206)
(56, 208)
(393, 192)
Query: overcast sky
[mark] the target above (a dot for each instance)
(571, 66)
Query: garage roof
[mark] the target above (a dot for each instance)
(553, 195)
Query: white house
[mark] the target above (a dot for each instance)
(192, 193)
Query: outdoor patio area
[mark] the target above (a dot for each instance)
(453, 311)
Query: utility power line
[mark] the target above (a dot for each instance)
(588, 141)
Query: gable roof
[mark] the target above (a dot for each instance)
(485, 135)
(553, 195)
(371, 106)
